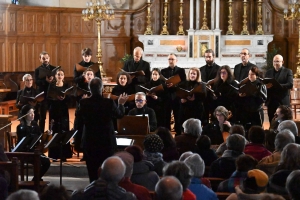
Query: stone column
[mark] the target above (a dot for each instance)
(197, 14)
(217, 14)
(212, 23)
(191, 14)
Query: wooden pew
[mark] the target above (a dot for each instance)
(215, 182)
(12, 168)
(222, 195)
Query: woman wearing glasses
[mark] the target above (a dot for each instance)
(28, 91)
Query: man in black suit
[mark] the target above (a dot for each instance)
(172, 102)
(278, 96)
(137, 64)
(209, 71)
(241, 70)
(42, 85)
(99, 140)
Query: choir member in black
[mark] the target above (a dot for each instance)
(250, 109)
(28, 127)
(216, 128)
(172, 102)
(137, 64)
(224, 94)
(28, 91)
(142, 109)
(42, 85)
(192, 106)
(88, 75)
(124, 87)
(86, 54)
(157, 101)
(278, 96)
(58, 111)
(241, 70)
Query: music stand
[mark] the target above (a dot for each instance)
(22, 146)
(61, 139)
(122, 143)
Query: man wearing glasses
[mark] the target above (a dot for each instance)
(278, 96)
(143, 110)
(172, 102)
(241, 70)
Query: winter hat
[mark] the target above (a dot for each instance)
(255, 182)
(196, 163)
(153, 143)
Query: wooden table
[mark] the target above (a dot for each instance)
(3, 93)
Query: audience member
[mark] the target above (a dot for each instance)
(203, 145)
(169, 188)
(185, 155)
(4, 176)
(169, 151)
(224, 166)
(197, 165)
(243, 164)
(53, 192)
(143, 171)
(184, 174)
(293, 185)
(292, 126)
(269, 163)
(140, 192)
(256, 148)
(192, 130)
(112, 171)
(153, 146)
(23, 194)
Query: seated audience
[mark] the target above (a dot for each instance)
(106, 186)
(185, 155)
(234, 129)
(142, 110)
(4, 176)
(169, 151)
(269, 163)
(143, 171)
(184, 174)
(23, 194)
(197, 165)
(53, 192)
(192, 130)
(215, 129)
(140, 192)
(153, 146)
(293, 185)
(292, 126)
(255, 146)
(243, 164)
(289, 161)
(169, 188)
(255, 183)
(203, 149)
(224, 166)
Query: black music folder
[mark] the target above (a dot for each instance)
(155, 90)
(38, 98)
(43, 72)
(275, 83)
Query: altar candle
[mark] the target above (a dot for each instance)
(148, 1)
(166, 1)
(181, 1)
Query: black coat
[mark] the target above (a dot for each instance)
(27, 92)
(213, 69)
(42, 84)
(241, 72)
(127, 89)
(146, 111)
(142, 65)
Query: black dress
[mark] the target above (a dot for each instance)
(127, 89)
(58, 111)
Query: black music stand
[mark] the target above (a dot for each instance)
(61, 139)
(27, 143)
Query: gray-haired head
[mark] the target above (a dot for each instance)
(236, 142)
(138, 49)
(96, 86)
(185, 155)
(290, 125)
(196, 163)
(24, 194)
(113, 169)
(141, 94)
(192, 126)
(168, 187)
(26, 76)
(293, 184)
(283, 138)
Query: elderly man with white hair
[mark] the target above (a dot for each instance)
(292, 126)
(192, 130)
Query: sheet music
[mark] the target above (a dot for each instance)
(124, 141)
(19, 144)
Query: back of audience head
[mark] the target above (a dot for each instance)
(235, 142)
(192, 127)
(181, 171)
(293, 185)
(166, 137)
(203, 142)
(185, 155)
(290, 157)
(245, 163)
(136, 152)
(196, 164)
(256, 135)
(23, 194)
(153, 143)
(53, 192)
(237, 129)
(283, 138)
(290, 125)
(128, 160)
(286, 112)
(168, 187)
(255, 182)
(113, 169)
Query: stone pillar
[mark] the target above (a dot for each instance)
(212, 23)
(217, 14)
(197, 14)
(191, 14)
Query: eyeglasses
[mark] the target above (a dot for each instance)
(244, 54)
(171, 59)
(29, 80)
(139, 101)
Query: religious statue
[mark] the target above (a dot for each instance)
(297, 74)
(203, 48)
